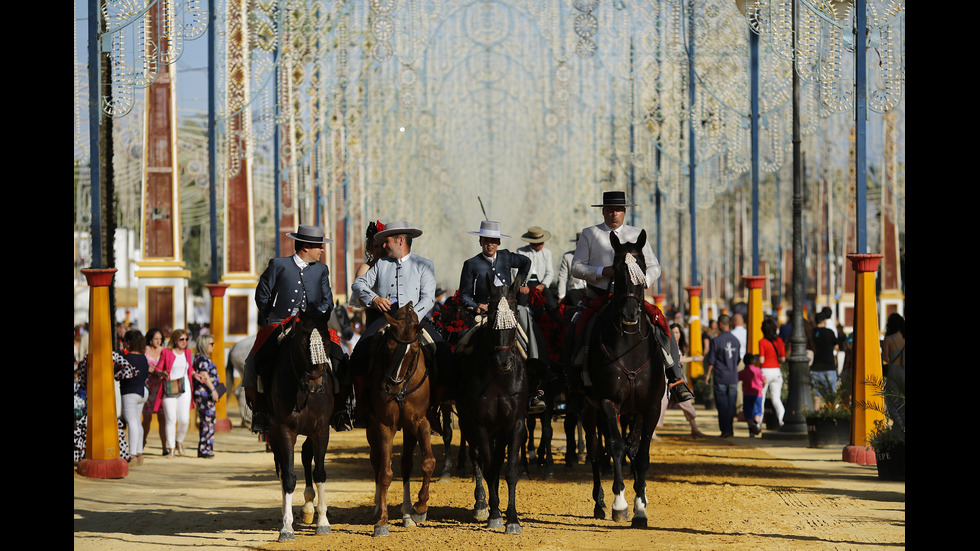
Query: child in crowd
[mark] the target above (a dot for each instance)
(752, 385)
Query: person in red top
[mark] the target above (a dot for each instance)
(772, 353)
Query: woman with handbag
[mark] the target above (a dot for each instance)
(206, 394)
(175, 392)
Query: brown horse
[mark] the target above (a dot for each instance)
(628, 383)
(301, 391)
(399, 400)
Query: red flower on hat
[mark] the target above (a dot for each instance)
(380, 225)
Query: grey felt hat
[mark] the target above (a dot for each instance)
(309, 234)
(491, 229)
(398, 227)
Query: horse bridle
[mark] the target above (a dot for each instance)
(391, 376)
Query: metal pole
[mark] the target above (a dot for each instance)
(799, 382)
(94, 119)
(692, 189)
(861, 116)
(212, 144)
(754, 75)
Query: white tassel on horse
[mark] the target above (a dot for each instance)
(318, 354)
(637, 277)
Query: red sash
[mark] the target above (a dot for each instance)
(656, 316)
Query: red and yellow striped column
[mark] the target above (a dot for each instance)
(695, 369)
(102, 458)
(754, 324)
(867, 358)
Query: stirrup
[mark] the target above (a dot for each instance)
(679, 391)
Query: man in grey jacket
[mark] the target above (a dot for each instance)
(394, 281)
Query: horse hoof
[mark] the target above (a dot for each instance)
(380, 531)
(287, 536)
(481, 514)
(513, 528)
(639, 522)
(495, 523)
(620, 515)
(419, 518)
(308, 517)
(446, 477)
(407, 521)
(599, 513)
(321, 530)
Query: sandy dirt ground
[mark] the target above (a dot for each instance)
(772, 493)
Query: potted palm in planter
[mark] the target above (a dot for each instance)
(830, 424)
(887, 438)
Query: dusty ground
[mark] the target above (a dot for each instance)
(709, 493)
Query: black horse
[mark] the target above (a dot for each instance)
(302, 393)
(492, 403)
(628, 383)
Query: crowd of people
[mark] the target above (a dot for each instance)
(169, 381)
(158, 375)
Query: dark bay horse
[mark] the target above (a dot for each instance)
(399, 400)
(628, 383)
(301, 390)
(492, 403)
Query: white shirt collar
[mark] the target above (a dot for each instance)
(401, 260)
(300, 262)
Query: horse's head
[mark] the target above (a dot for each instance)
(501, 330)
(401, 341)
(310, 341)
(630, 279)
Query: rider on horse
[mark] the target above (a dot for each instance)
(495, 264)
(392, 282)
(593, 262)
(287, 286)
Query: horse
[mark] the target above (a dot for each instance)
(628, 383)
(301, 391)
(492, 404)
(339, 322)
(399, 400)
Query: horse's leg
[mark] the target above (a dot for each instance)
(571, 442)
(614, 439)
(282, 447)
(309, 494)
(408, 450)
(590, 428)
(481, 511)
(640, 463)
(421, 508)
(447, 444)
(461, 455)
(497, 450)
(547, 434)
(385, 436)
(532, 423)
(320, 478)
(517, 436)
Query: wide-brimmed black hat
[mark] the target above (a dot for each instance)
(309, 234)
(614, 199)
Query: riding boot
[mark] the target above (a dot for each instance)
(435, 423)
(260, 410)
(679, 390)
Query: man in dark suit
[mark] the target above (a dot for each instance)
(493, 267)
(474, 293)
(287, 286)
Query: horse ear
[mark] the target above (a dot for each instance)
(642, 240)
(614, 240)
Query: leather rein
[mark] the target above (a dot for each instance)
(397, 388)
